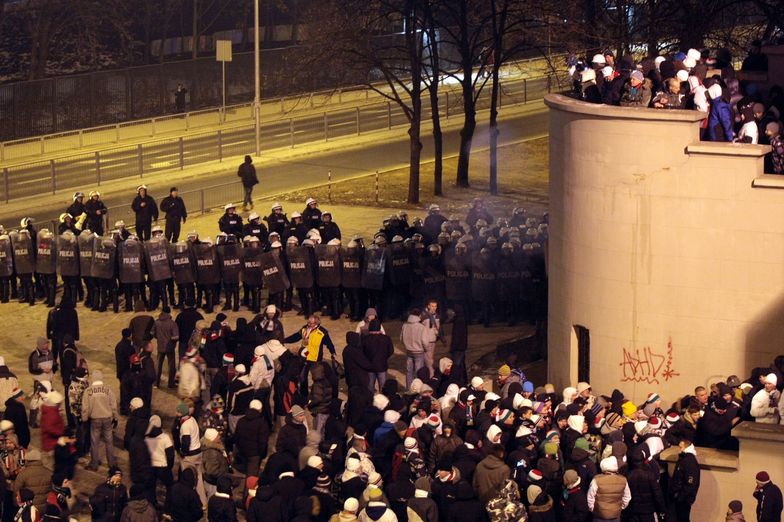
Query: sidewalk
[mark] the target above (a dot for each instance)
(49, 206)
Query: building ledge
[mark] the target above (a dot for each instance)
(772, 181)
(727, 149)
(568, 104)
(756, 431)
(706, 457)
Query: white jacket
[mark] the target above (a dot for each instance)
(388, 516)
(157, 447)
(263, 369)
(191, 381)
(761, 409)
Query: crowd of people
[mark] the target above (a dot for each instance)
(735, 109)
(261, 428)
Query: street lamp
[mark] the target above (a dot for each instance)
(256, 60)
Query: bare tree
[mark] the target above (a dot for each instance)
(357, 36)
(432, 77)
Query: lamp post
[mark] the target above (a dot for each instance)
(257, 65)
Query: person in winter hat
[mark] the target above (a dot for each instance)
(57, 500)
(377, 509)
(421, 507)
(221, 504)
(182, 501)
(110, 498)
(26, 511)
(139, 508)
(34, 477)
(574, 504)
(505, 504)
(215, 460)
(608, 493)
(735, 512)
(349, 512)
(768, 496)
(491, 473)
(161, 451)
(719, 117)
(685, 481)
(764, 404)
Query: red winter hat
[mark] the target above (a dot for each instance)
(654, 421)
(535, 475)
(763, 477)
(135, 359)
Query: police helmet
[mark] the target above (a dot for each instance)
(295, 215)
(94, 193)
(276, 244)
(433, 208)
(334, 242)
(519, 211)
(492, 241)
(443, 238)
(397, 239)
(531, 222)
(292, 241)
(456, 234)
(434, 250)
(273, 234)
(253, 215)
(156, 230)
(119, 223)
(78, 195)
(276, 205)
(417, 222)
(308, 243)
(480, 223)
(227, 206)
(326, 213)
(380, 240)
(64, 216)
(310, 200)
(25, 222)
(207, 241)
(140, 188)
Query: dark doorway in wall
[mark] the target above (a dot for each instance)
(583, 353)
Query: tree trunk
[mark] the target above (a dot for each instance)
(469, 105)
(415, 153)
(438, 135)
(494, 132)
(195, 31)
(466, 138)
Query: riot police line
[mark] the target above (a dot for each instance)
(496, 272)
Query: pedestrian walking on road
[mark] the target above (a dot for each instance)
(247, 172)
(179, 97)
(174, 208)
(146, 212)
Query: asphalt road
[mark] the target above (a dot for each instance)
(284, 176)
(93, 168)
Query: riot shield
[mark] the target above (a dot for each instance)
(399, 265)
(46, 253)
(507, 278)
(183, 264)
(130, 255)
(300, 266)
(458, 277)
(351, 263)
(328, 259)
(104, 255)
(274, 274)
(68, 255)
(24, 260)
(207, 269)
(230, 257)
(433, 276)
(375, 266)
(85, 241)
(251, 265)
(156, 252)
(483, 278)
(6, 256)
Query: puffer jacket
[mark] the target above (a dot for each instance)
(214, 460)
(35, 477)
(321, 392)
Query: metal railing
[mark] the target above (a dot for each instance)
(94, 168)
(277, 108)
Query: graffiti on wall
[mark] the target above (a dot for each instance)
(648, 365)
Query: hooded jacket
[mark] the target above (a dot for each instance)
(377, 511)
(489, 476)
(414, 335)
(182, 502)
(139, 509)
(265, 506)
(250, 436)
(356, 364)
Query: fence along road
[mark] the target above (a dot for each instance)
(91, 169)
(174, 125)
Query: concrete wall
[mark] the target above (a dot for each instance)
(659, 246)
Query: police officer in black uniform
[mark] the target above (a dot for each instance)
(277, 220)
(231, 222)
(311, 216)
(146, 211)
(95, 210)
